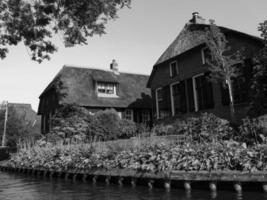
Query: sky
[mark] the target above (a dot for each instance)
(136, 40)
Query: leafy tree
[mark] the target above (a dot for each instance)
(34, 22)
(258, 105)
(222, 64)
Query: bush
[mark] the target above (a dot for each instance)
(75, 124)
(127, 129)
(162, 129)
(204, 128)
(70, 124)
(251, 131)
(105, 125)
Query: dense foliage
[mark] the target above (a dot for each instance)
(147, 158)
(35, 22)
(75, 124)
(70, 123)
(204, 128)
(209, 145)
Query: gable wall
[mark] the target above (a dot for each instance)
(189, 64)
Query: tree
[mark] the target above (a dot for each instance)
(34, 22)
(258, 105)
(222, 64)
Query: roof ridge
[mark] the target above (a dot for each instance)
(100, 69)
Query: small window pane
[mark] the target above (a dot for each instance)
(173, 69)
(106, 88)
(128, 114)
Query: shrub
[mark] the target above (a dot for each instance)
(162, 129)
(127, 129)
(70, 123)
(251, 131)
(204, 128)
(105, 125)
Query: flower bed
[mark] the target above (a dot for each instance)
(147, 157)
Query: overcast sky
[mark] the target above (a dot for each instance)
(136, 40)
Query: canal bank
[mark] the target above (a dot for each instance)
(213, 180)
(17, 186)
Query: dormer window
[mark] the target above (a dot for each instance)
(174, 69)
(106, 89)
(206, 55)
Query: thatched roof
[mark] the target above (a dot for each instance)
(192, 35)
(79, 88)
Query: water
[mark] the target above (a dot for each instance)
(23, 187)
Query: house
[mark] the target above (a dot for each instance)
(179, 83)
(26, 114)
(97, 89)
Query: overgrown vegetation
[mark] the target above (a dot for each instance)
(76, 124)
(146, 157)
(210, 144)
(204, 128)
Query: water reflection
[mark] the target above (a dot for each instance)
(22, 187)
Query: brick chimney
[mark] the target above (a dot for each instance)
(114, 67)
(196, 19)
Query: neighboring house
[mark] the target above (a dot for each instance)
(27, 115)
(97, 89)
(178, 80)
(25, 112)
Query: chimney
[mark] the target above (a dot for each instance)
(211, 21)
(114, 67)
(196, 19)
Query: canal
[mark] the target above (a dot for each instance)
(26, 187)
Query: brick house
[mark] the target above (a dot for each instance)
(178, 80)
(97, 89)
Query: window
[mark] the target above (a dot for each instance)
(206, 55)
(203, 93)
(145, 116)
(106, 89)
(159, 94)
(178, 98)
(174, 69)
(128, 114)
(163, 102)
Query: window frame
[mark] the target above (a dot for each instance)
(157, 101)
(146, 114)
(172, 100)
(176, 67)
(196, 103)
(203, 56)
(106, 87)
(126, 115)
